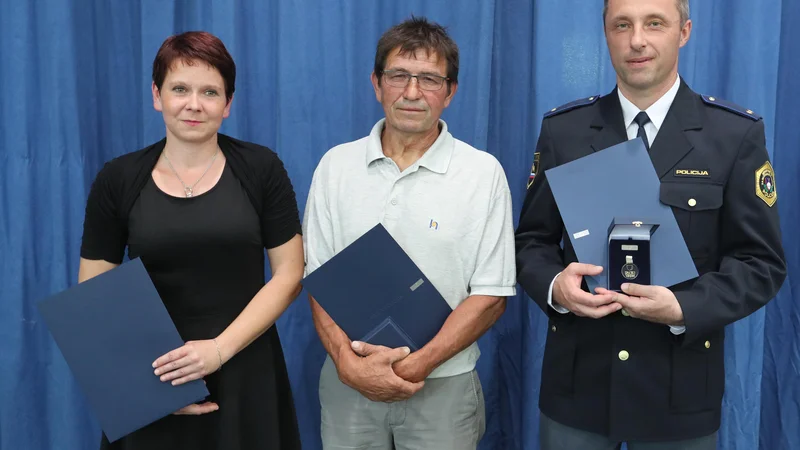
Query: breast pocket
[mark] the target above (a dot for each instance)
(697, 211)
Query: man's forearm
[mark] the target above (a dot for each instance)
(332, 337)
(473, 317)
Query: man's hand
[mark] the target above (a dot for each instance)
(567, 292)
(652, 303)
(374, 378)
(410, 368)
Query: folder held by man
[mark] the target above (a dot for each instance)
(619, 181)
(375, 293)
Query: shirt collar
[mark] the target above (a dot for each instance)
(657, 112)
(435, 159)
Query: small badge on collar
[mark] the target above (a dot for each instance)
(765, 184)
(534, 169)
(691, 173)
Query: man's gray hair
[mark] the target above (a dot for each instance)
(683, 9)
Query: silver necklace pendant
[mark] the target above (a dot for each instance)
(189, 190)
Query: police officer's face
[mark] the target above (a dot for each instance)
(410, 109)
(644, 38)
(192, 101)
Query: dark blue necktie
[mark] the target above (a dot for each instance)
(641, 119)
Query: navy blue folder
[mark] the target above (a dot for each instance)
(375, 293)
(110, 329)
(619, 181)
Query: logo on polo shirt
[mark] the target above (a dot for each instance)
(434, 224)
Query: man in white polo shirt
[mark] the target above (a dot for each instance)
(449, 207)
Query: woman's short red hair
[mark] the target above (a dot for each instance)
(195, 46)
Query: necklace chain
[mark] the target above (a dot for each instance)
(189, 190)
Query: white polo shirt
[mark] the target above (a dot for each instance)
(450, 211)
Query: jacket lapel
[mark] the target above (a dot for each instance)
(608, 122)
(671, 143)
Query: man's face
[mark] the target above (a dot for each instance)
(411, 109)
(644, 38)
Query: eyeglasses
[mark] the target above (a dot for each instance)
(425, 81)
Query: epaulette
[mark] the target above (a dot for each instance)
(572, 105)
(732, 107)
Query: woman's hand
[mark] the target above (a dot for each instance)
(196, 410)
(193, 361)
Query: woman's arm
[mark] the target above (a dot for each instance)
(271, 301)
(197, 359)
(90, 268)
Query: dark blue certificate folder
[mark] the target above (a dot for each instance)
(375, 293)
(110, 329)
(619, 181)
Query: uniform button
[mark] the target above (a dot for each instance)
(624, 355)
(625, 313)
(692, 202)
(553, 328)
(712, 99)
(708, 344)
(394, 201)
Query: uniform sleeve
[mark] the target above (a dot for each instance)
(105, 234)
(280, 219)
(317, 225)
(495, 268)
(538, 237)
(752, 266)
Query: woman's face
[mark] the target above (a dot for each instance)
(192, 101)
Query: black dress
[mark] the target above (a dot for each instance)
(205, 256)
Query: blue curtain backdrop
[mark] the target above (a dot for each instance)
(75, 83)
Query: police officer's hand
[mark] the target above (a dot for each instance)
(567, 292)
(652, 303)
(373, 377)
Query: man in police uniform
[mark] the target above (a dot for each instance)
(646, 366)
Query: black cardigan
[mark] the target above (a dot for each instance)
(118, 184)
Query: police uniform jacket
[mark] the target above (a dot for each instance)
(627, 378)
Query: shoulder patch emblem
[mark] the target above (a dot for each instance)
(732, 107)
(572, 105)
(534, 169)
(765, 184)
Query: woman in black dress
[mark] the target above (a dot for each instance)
(199, 208)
